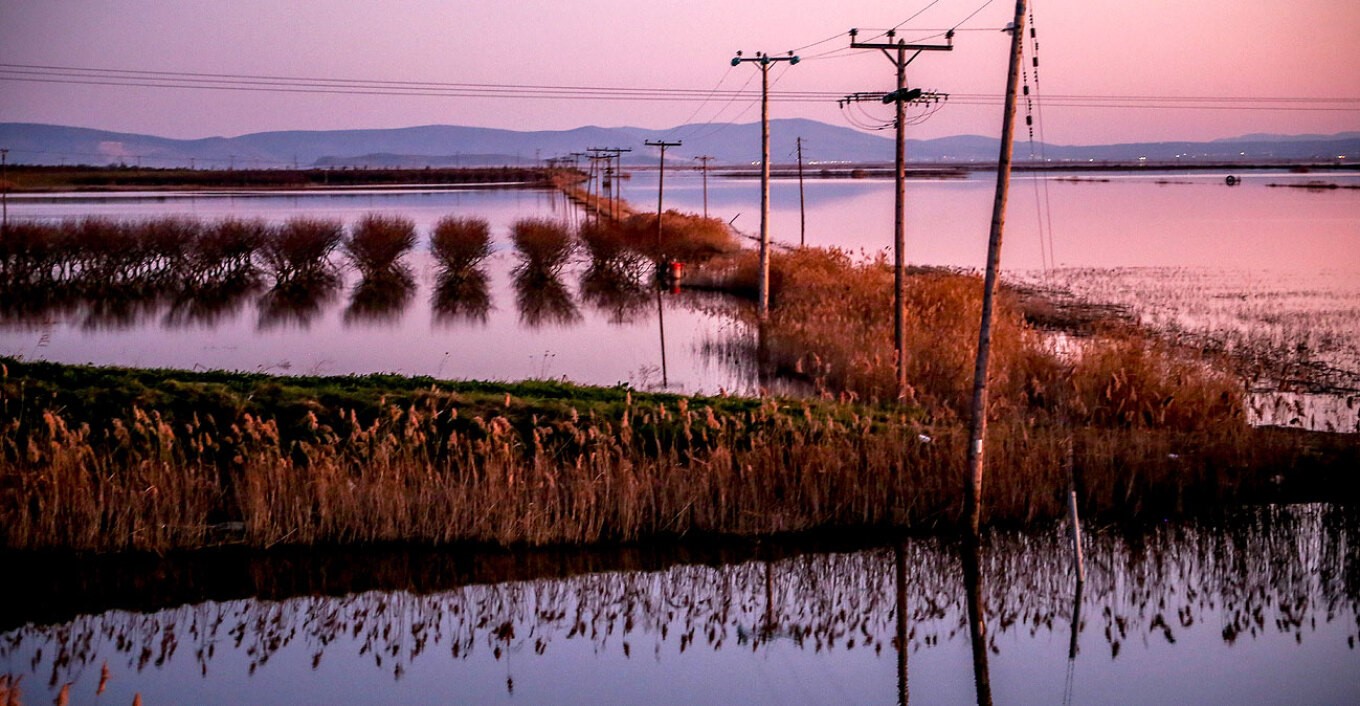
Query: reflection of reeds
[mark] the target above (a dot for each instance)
(211, 302)
(543, 299)
(459, 244)
(380, 296)
(297, 300)
(1269, 574)
(616, 291)
(461, 297)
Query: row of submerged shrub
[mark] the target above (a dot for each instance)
(208, 271)
(97, 251)
(442, 467)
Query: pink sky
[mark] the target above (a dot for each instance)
(1159, 48)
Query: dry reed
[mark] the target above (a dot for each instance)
(460, 244)
(300, 249)
(378, 241)
(433, 471)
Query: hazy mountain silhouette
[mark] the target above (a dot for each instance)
(730, 144)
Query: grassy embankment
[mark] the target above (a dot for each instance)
(113, 460)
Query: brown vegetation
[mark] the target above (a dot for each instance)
(460, 244)
(431, 472)
(378, 241)
(544, 244)
(300, 250)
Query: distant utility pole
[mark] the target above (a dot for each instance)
(763, 62)
(595, 180)
(705, 159)
(614, 156)
(802, 205)
(977, 428)
(660, 191)
(897, 53)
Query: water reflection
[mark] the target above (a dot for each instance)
(1178, 601)
(616, 291)
(970, 556)
(212, 303)
(543, 299)
(298, 301)
(461, 296)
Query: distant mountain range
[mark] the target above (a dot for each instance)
(729, 144)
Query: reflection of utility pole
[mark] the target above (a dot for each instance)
(900, 97)
(903, 636)
(661, 326)
(977, 428)
(660, 191)
(763, 62)
(802, 206)
(971, 551)
(705, 159)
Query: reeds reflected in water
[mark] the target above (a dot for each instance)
(380, 296)
(461, 297)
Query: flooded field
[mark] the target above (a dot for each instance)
(1261, 607)
(1257, 269)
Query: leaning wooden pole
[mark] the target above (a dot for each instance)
(978, 427)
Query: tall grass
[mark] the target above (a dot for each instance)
(442, 468)
(684, 237)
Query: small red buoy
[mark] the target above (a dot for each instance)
(677, 270)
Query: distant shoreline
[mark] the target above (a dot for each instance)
(938, 171)
(30, 179)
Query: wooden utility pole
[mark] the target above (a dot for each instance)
(977, 429)
(802, 205)
(613, 156)
(897, 53)
(763, 62)
(660, 193)
(705, 159)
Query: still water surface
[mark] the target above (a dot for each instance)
(1263, 608)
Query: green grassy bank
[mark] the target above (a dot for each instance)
(111, 460)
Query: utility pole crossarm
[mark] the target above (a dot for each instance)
(901, 44)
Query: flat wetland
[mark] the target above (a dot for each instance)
(509, 447)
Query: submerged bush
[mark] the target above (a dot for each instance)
(301, 248)
(543, 244)
(377, 241)
(460, 244)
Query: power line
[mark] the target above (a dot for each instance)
(309, 85)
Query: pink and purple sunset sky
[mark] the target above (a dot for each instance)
(1163, 51)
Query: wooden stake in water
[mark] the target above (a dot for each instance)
(978, 425)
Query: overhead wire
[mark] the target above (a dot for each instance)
(282, 84)
(1043, 156)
